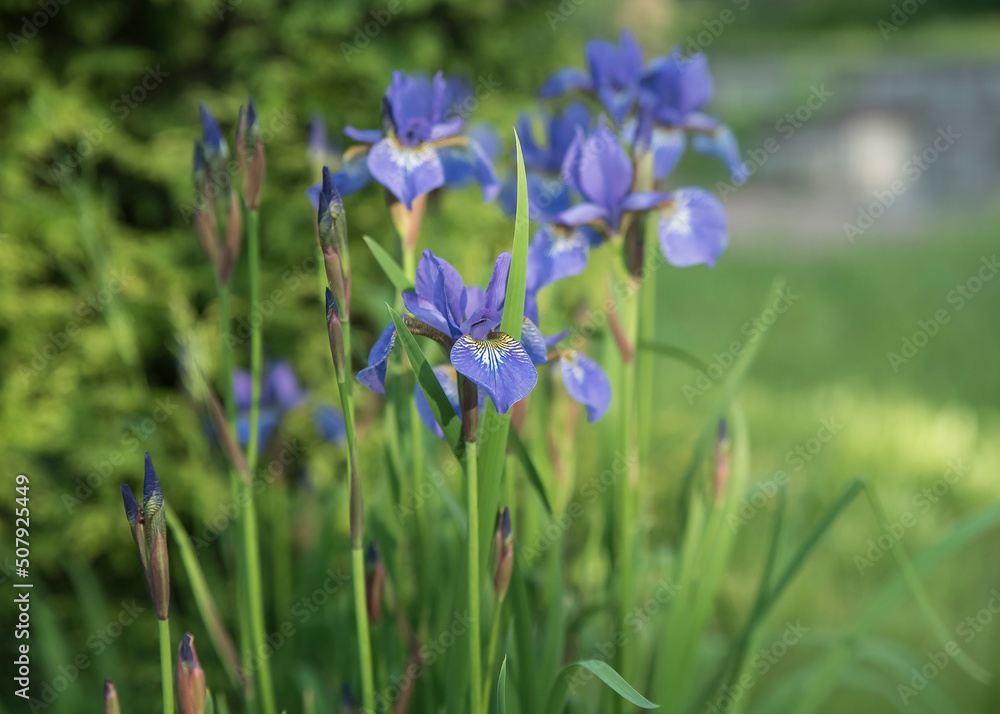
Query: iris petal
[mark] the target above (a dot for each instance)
(556, 253)
(586, 382)
(563, 81)
(439, 285)
(330, 424)
(407, 172)
(373, 376)
(353, 175)
(605, 170)
(499, 365)
(693, 230)
(448, 380)
(463, 164)
(365, 136)
(533, 342)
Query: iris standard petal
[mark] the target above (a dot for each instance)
(563, 81)
(448, 379)
(533, 342)
(373, 376)
(408, 172)
(499, 366)
(571, 161)
(668, 147)
(585, 382)
(562, 131)
(605, 170)
(693, 229)
(439, 286)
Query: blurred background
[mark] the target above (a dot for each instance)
(871, 129)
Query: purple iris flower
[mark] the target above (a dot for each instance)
(466, 319)
(548, 194)
(692, 226)
(614, 75)
(674, 89)
(280, 393)
(420, 146)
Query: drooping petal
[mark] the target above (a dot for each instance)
(365, 136)
(585, 382)
(408, 172)
(487, 137)
(693, 230)
(330, 424)
(644, 200)
(563, 81)
(583, 213)
(556, 252)
(463, 164)
(373, 376)
(533, 342)
(448, 380)
(353, 175)
(499, 366)
(722, 145)
(553, 340)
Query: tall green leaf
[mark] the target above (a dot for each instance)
(502, 688)
(494, 428)
(442, 409)
(389, 266)
(518, 449)
(606, 673)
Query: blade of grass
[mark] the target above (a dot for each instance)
(556, 701)
(502, 688)
(494, 427)
(966, 531)
(443, 412)
(389, 266)
(534, 477)
(729, 390)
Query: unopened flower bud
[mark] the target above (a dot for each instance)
(216, 150)
(110, 698)
(503, 554)
(332, 232)
(336, 332)
(250, 154)
(374, 582)
(191, 690)
(149, 529)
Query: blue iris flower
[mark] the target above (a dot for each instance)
(692, 225)
(614, 74)
(548, 194)
(674, 89)
(280, 393)
(467, 318)
(421, 145)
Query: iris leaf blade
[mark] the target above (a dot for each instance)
(390, 267)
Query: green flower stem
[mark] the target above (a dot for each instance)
(364, 637)
(625, 494)
(236, 489)
(166, 667)
(357, 531)
(251, 536)
(491, 655)
(475, 652)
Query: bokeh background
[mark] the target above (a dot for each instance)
(101, 277)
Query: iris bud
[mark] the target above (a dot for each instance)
(149, 530)
(336, 332)
(110, 698)
(191, 690)
(332, 234)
